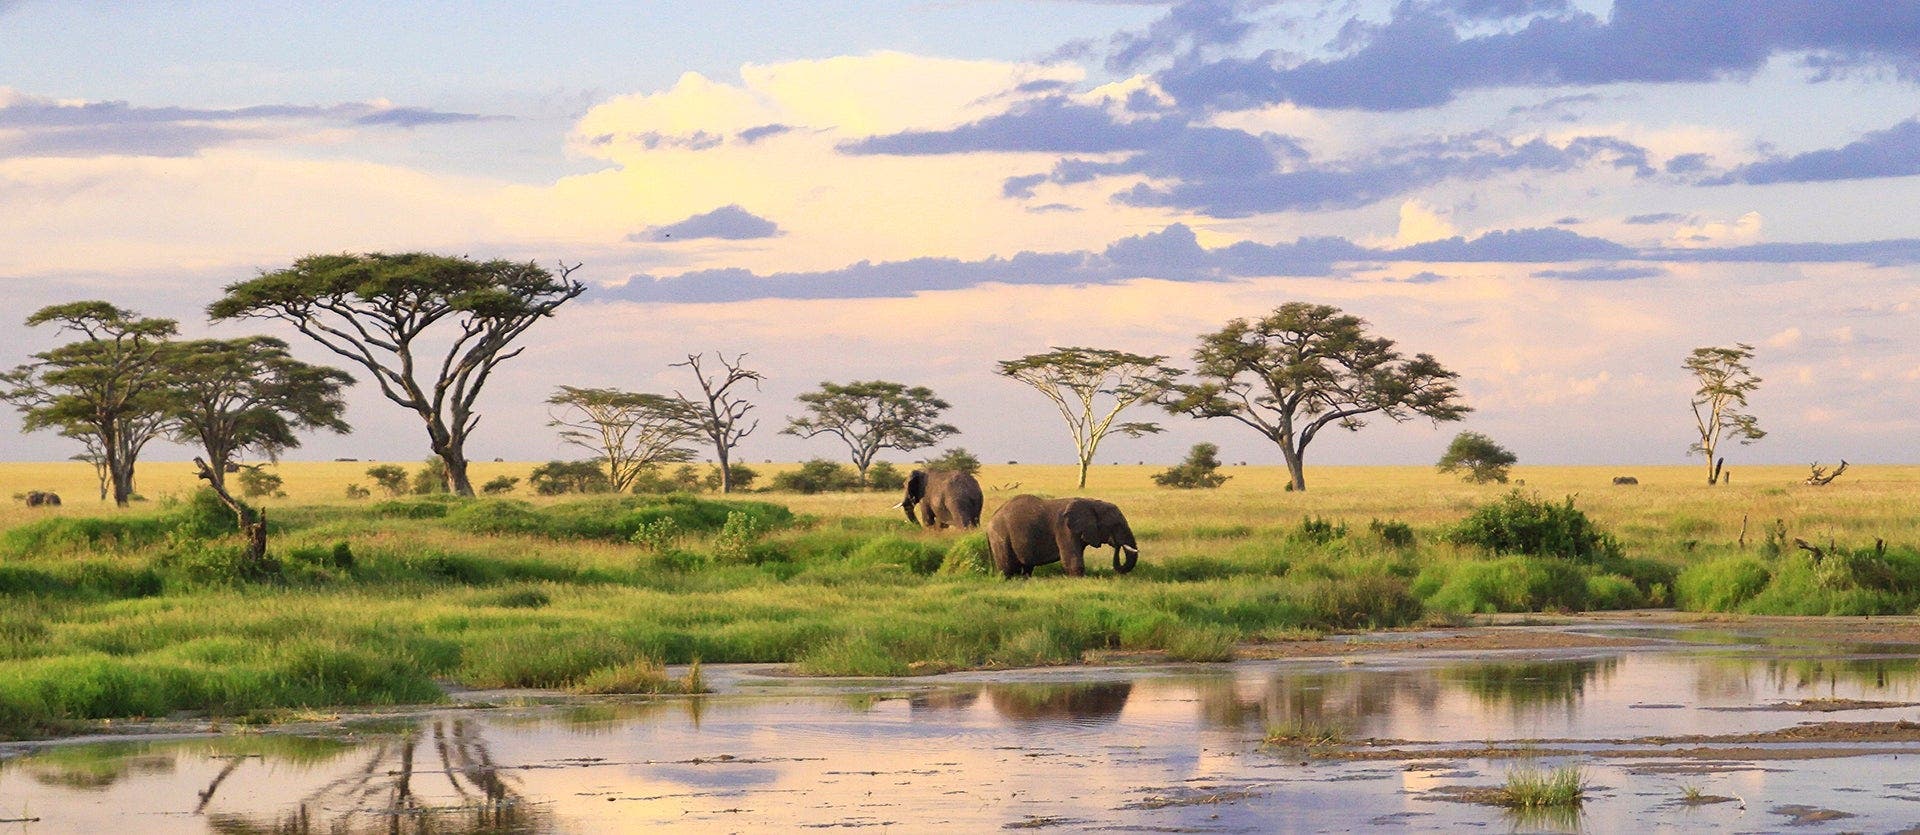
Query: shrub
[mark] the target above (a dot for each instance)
(256, 482)
(915, 555)
(355, 491)
(559, 477)
(1197, 472)
(1509, 584)
(968, 555)
(657, 535)
(736, 537)
(957, 459)
(1319, 531)
(885, 476)
(818, 476)
(500, 485)
(743, 477)
(430, 478)
(1516, 524)
(1478, 456)
(1396, 534)
(390, 477)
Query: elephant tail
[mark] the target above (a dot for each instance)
(1133, 555)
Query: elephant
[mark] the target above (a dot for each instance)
(38, 498)
(1029, 531)
(1625, 479)
(946, 499)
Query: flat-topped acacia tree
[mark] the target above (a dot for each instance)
(1306, 367)
(429, 328)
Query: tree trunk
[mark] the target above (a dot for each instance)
(1086, 463)
(122, 482)
(726, 469)
(1296, 468)
(252, 523)
(457, 481)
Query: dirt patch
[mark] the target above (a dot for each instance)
(1881, 732)
(1805, 815)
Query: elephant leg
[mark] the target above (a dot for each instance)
(1074, 560)
(1002, 553)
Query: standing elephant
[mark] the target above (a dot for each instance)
(1029, 531)
(946, 498)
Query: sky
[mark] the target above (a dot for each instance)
(1558, 199)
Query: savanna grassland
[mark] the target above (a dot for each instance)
(151, 611)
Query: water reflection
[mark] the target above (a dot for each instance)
(1083, 703)
(1529, 687)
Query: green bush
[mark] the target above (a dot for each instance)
(1198, 472)
(555, 478)
(956, 459)
(968, 555)
(390, 477)
(500, 485)
(885, 476)
(743, 477)
(1515, 524)
(256, 482)
(1396, 534)
(1319, 531)
(915, 555)
(818, 476)
(1508, 584)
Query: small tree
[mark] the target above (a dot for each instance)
(431, 478)
(1306, 367)
(871, 416)
(1091, 387)
(956, 459)
(817, 476)
(256, 482)
(719, 413)
(630, 431)
(739, 476)
(233, 395)
(385, 313)
(883, 475)
(1725, 381)
(1482, 460)
(499, 485)
(109, 389)
(1199, 471)
(556, 477)
(391, 478)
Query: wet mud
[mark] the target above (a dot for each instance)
(1775, 725)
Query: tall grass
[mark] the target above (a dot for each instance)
(143, 612)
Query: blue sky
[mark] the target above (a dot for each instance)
(1558, 199)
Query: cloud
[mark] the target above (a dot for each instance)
(1894, 152)
(1425, 55)
(1654, 218)
(1605, 272)
(33, 126)
(730, 223)
(1188, 27)
(1514, 246)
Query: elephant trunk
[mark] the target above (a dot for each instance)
(1125, 545)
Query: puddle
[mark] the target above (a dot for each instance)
(1698, 730)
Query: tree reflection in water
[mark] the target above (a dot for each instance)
(1351, 702)
(1529, 687)
(1096, 702)
(395, 790)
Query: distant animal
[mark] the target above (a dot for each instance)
(1625, 479)
(36, 498)
(1030, 531)
(944, 498)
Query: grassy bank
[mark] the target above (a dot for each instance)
(150, 611)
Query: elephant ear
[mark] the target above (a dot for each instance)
(916, 486)
(1081, 518)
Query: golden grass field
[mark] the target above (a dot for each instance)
(1669, 508)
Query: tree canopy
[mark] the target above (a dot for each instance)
(1306, 367)
(872, 415)
(430, 329)
(231, 395)
(107, 389)
(1477, 458)
(1725, 381)
(1091, 387)
(629, 431)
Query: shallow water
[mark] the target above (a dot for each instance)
(1165, 748)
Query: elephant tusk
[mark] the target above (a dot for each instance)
(897, 505)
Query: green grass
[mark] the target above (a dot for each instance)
(150, 611)
(1531, 788)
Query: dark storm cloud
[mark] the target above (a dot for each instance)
(1420, 57)
(730, 223)
(45, 127)
(1894, 152)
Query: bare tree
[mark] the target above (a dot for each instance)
(1725, 381)
(719, 412)
(629, 431)
(1091, 387)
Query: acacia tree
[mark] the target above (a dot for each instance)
(719, 413)
(629, 431)
(1091, 387)
(872, 415)
(1725, 381)
(107, 389)
(233, 395)
(1483, 460)
(431, 329)
(1306, 367)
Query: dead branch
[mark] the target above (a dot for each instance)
(1818, 553)
(1820, 478)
